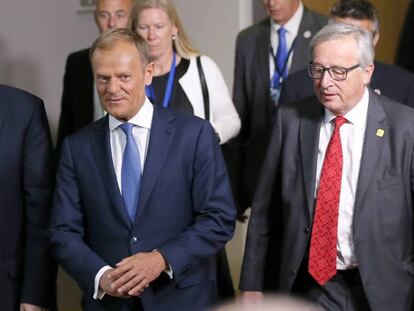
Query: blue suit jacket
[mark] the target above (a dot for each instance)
(185, 211)
(27, 272)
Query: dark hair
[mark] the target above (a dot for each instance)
(356, 9)
(107, 39)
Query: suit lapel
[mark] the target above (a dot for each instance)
(159, 146)
(309, 140)
(373, 144)
(101, 147)
(305, 33)
(262, 52)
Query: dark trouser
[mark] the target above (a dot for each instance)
(344, 292)
(137, 306)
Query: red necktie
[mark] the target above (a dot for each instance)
(322, 252)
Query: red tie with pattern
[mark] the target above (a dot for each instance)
(322, 252)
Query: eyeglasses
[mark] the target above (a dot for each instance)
(317, 71)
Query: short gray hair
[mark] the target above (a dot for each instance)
(107, 39)
(335, 31)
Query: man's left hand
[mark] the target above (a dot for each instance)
(29, 307)
(133, 274)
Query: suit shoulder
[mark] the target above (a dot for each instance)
(179, 118)
(395, 109)
(80, 55)
(250, 33)
(317, 19)
(392, 71)
(18, 97)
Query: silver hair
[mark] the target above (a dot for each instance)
(335, 31)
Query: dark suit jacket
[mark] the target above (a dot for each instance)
(27, 270)
(391, 81)
(245, 154)
(404, 55)
(77, 98)
(281, 221)
(185, 211)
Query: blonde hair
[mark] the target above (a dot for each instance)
(182, 44)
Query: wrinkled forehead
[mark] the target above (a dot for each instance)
(336, 51)
(114, 5)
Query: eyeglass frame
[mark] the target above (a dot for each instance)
(328, 69)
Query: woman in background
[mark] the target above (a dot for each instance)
(179, 72)
(177, 82)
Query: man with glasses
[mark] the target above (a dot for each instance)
(391, 81)
(332, 220)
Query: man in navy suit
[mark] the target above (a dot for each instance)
(161, 245)
(28, 272)
(254, 69)
(391, 81)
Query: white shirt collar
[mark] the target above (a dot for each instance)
(357, 115)
(143, 118)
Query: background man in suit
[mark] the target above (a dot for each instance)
(332, 219)
(116, 230)
(80, 104)
(391, 81)
(28, 273)
(257, 48)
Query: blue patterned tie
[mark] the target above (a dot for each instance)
(280, 65)
(131, 171)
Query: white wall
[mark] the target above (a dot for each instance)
(35, 38)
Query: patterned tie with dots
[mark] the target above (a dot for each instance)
(322, 252)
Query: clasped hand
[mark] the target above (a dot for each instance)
(133, 274)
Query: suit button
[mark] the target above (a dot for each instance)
(294, 271)
(306, 230)
(134, 240)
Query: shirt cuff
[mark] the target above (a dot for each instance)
(169, 270)
(98, 292)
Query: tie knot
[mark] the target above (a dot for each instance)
(281, 31)
(339, 121)
(127, 128)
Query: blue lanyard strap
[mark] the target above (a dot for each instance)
(277, 79)
(168, 90)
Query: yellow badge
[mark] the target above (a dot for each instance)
(380, 132)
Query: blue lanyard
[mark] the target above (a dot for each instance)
(281, 72)
(168, 90)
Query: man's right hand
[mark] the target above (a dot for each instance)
(105, 284)
(251, 298)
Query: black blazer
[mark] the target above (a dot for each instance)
(391, 81)
(77, 98)
(282, 212)
(27, 271)
(245, 154)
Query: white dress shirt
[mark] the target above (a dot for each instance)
(141, 133)
(352, 140)
(292, 29)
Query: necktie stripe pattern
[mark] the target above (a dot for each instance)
(322, 252)
(130, 172)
